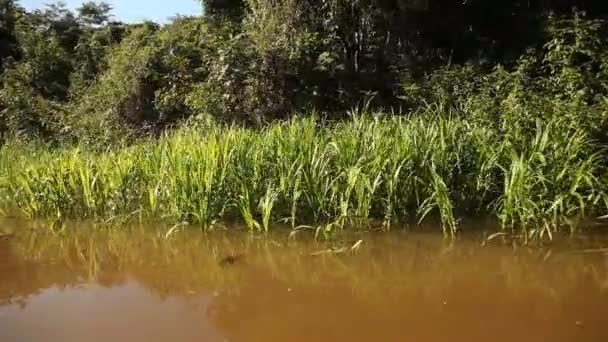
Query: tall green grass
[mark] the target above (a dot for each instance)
(376, 168)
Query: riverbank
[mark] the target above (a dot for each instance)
(385, 168)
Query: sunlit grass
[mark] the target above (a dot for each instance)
(382, 168)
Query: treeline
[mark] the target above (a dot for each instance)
(82, 76)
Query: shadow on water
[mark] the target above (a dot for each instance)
(135, 285)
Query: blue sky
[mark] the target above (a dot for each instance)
(133, 10)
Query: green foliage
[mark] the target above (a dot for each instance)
(254, 77)
(59, 55)
(91, 13)
(31, 89)
(232, 9)
(150, 80)
(510, 123)
(8, 40)
(371, 168)
(278, 57)
(120, 91)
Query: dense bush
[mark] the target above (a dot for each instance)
(59, 54)
(83, 77)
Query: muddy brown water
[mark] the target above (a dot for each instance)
(135, 285)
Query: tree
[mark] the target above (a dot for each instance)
(94, 14)
(8, 46)
(228, 8)
(58, 21)
(60, 54)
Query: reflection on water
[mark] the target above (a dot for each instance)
(126, 312)
(94, 285)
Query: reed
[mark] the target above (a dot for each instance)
(371, 168)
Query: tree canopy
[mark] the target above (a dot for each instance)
(254, 61)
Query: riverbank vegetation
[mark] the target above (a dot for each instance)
(388, 168)
(272, 111)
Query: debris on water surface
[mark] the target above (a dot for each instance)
(231, 259)
(6, 236)
(329, 251)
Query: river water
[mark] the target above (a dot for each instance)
(92, 284)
